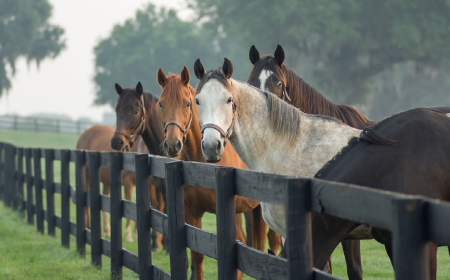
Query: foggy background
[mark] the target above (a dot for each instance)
(62, 58)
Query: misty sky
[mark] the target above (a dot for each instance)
(65, 85)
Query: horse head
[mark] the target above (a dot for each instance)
(175, 108)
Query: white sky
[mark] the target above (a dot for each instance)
(65, 85)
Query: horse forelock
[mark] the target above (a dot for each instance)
(267, 63)
(174, 89)
(126, 100)
(215, 74)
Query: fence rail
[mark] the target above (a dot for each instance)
(301, 196)
(43, 125)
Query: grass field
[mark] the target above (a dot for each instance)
(26, 254)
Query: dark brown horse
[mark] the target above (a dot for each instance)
(97, 138)
(136, 116)
(271, 74)
(407, 153)
(183, 137)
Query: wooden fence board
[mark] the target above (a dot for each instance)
(20, 181)
(159, 274)
(128, 161)
(438, 214)
(38, 189)
(130, 260)
(80, 158)
(259, 265)
(129, 210)
(143, 214)
(65, 197)
(95, 206)
(177, 229)
(50, 191)
(115, 161)
(30, 196)
(226, 223)
(159, 221)
(199, 174)
(105, 202)
(201, 241)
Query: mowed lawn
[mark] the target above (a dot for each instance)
(26, 254)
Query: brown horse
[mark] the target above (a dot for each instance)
(183, 140)
(137, 116)
(97, 138)
(271, 74)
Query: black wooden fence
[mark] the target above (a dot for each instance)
(413, 220)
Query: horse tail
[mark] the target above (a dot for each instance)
(258, 229)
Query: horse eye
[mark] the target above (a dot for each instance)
(136, 112)
(196, 101)
(160, 105)
(279, 84)
(230, 100)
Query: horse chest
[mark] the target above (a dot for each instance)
(274, 216)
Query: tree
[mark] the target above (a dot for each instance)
(348, 42)
(24, 31)
(135, 50)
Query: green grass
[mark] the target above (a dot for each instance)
(24, 253)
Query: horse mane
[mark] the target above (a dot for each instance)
(172, 86)
(307, 98)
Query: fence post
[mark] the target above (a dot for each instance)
(81, 200)
(142, 168)
(8, 176)
(65, 198)
(96, 206)
(50, 191)
(409, 237)
(38, 190)
(175, 212)
(226, 223)
(116, 213)
(30, 196)
(298, 234)
(13, 180)
(20, 202)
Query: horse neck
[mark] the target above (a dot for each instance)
(153, 135)
(262, 148)
(192, 146)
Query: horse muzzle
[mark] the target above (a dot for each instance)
(212, 145)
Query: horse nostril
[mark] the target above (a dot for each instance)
(219, 146)
(120, 142)
(178, 146)
(166, 146)
(203, 145)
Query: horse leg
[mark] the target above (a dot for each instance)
(248, 227)
(196, 258)
(161, 206)
(106, 226)
(274, 241)
(128, 190)
(433, 259)
(352, 253)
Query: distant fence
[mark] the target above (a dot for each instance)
(43, 125)
(412, 220)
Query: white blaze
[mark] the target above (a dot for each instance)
(265, 74)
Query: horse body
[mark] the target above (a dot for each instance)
(263, 143)
(97, 138)
(418, 163)
(183, 138)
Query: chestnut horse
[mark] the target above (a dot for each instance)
(271, 74)
(183, 140)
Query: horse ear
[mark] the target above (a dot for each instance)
(279, 55)
(227, 68)
(139, 88)
(161, 77)
(253, 55)
(119, 89)
(199, 70)
(185, 77)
